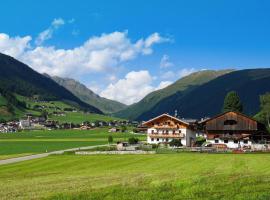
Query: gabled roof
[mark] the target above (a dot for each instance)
(238, 113)
(165, 115)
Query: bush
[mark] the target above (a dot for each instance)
(110, 139)
(199, 141)
(175, 143)
(133, 140)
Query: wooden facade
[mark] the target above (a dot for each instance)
(231, 121)
(233, 129)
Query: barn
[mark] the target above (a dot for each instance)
(233, 129)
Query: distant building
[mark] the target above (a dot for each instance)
(125, 146)
(165, 128)
(233, 129)
(25, 124)
(114, 130)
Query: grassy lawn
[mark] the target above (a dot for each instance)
(12, 145)
(160, 176)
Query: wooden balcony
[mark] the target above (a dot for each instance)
(168, 127)
(159, 135)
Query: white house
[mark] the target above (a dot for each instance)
(165, 128)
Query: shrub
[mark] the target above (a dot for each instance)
(110, 139)
(133, 140)
(175, 143)
(199, 141)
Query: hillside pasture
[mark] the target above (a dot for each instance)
(160, 176)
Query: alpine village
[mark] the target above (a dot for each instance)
(135, 100)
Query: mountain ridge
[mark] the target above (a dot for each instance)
(207, 99)
(17, 77)
(88, 96)
(185, 83)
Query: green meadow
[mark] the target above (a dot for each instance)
(159, 176)
(32, 142)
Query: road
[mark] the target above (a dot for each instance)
(42, 155)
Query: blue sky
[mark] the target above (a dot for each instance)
(189, 35)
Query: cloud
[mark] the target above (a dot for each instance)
(130, 89)
(163, 84)
(185, 72)
(165, 62)
(14, 46)
(48, 33)
(102, 53)
(133, 87)
(168, 75)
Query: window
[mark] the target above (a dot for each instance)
(173, 132)
(167, 140)
(216, 141)
(167, 131)
(230, 122)
(225, 141)
(245, 141)
(157, 139)
(152, 131)
(152, 139)
(235, 141)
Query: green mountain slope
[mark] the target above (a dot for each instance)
(183, 85)
(18, 78)
(207, 99)
(88, 96)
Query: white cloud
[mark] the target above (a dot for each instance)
(48, 33)
(163, 84)
(165, 62)
(131, 89)
(14, 46)
(97, 54)
(185, 72)
(168, 75)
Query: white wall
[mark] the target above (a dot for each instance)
(230, 143)
(185, 140)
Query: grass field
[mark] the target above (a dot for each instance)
(12, 145)
(160, 176)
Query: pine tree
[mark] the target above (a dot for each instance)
(232, 102)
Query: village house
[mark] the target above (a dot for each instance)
(165, 128)
(232, 130)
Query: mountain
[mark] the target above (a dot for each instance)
(207, 99)
(183, 85)
(88, 96)
(18, 78)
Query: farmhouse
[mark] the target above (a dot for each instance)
(165, 128)
(232, 129)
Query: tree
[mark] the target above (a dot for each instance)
(44, 114)
(264, 115)
(110, 139)
(133, 140)
(123, 128)
(175, 143)
(232, 102)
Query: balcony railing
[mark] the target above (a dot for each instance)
(164, 135)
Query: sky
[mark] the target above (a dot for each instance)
(123, 50)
